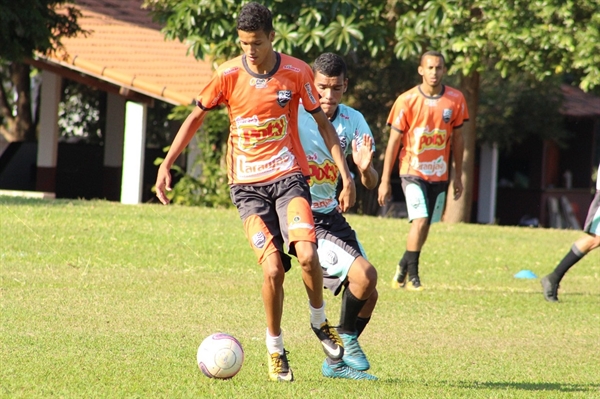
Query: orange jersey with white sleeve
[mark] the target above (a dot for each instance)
(426, 124)
(263, 143)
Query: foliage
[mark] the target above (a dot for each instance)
(517, 107)
(541, 37)
(37, 26)
(103, 300)
(81, 113)
(206, 184)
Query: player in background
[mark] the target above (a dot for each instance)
(345, 265)
(268, 172)
(579, 249)
(425, 122)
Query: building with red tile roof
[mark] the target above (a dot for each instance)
(126, 52)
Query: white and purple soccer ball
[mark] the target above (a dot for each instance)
(220, 356)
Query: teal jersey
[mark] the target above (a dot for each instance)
(349, 125)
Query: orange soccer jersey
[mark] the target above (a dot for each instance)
(263, 140)
(426, 124)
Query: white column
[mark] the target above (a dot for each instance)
(48, 136)
(133, 153)
(115, 126)
(488, 176)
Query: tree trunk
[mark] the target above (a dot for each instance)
(460, 210)
(19, 127)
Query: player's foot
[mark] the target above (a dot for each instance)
(279, 368)
(353, 353)
(399, 280)
(414, 284)
(550, 289)
(342, 370)
(331, 341)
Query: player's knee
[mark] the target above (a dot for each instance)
(363, 275)
(273, 271)
(307, 256)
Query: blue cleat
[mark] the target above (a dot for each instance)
(342, 370)
(353, 353)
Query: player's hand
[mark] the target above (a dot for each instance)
(384, 193)
(458, 187)
(163, 182)
(363, 155)
(348, 195)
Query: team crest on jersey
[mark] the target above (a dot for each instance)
(284, 97)
(343, 143)
(259, 83)
(259, 239)
(447, 115)
(331, 257)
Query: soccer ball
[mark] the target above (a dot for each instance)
(220, 356)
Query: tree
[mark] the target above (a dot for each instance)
(539, 37)
(25, 30)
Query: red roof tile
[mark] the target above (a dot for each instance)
(125, 47)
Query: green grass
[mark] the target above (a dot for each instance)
(105, 300)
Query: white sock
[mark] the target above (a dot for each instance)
(317, 316)
(274, 344)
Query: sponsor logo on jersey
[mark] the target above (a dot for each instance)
(291, 68)
(259, 239)
(252, 134)
(259, 83)
(426, 140)
(309, 92)
(326, 172)
(284, 97)
(447, 115)
(436, 167)
(284, 160)
(231, 70)
(321, 204)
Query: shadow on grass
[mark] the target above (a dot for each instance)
(523, 386)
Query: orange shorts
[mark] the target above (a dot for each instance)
(275, 214)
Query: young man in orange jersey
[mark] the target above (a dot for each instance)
(267, 170)
(425, 122)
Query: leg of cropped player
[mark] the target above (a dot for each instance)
(579, 249)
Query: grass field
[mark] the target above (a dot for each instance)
(103, 300)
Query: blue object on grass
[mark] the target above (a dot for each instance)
(525, 274)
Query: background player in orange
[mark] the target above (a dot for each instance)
(425, 122)
(267, 170)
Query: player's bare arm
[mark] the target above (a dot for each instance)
(458, 148)
(185, 134)
(363, 159)
(391, 153)
(332, 141)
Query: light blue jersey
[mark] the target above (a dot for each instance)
(349, 125)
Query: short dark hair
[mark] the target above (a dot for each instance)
(330, 65)
(255, 17)
(432, 53)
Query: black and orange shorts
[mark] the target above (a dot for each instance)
(275, 214)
